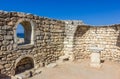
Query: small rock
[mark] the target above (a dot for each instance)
(38, 71)
(51, 65)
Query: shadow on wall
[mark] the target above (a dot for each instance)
(3, 76)
(24, 64)
(118, 40)
(81, 30)
(78, 40)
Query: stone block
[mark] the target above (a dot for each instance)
(5, 42)
(1, 23)
(8, 37)
(7, 65)
(1, 66)
(3, 48)
(9, 47)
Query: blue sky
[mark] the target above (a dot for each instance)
(93, 12)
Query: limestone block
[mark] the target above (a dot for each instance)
(7, 65)
(1, 23)
(10, 23)
(21, 15)
(1, 66)
(30, 16)
(3, 59)
(8, 37)
(9, 47)
(3, 48)
(51, 65)
(9, 32)
(1, 38)
(5, 42)
(1, 19)
(9, 55)
(95, 60)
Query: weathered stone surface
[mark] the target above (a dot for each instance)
(51, 65)
(1, 66)
(7, 65)
(48, 40)
(8, 37)
(3, 48)
(39, 41)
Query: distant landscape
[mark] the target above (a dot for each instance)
(20, 35)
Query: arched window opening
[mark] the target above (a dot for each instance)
(24, 64)
(20, 34)
(24, 33)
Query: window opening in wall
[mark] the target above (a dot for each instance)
(24, 33)
(20, 34)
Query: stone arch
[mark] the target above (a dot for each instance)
(78, 43)
(29, 27)
(24, 63)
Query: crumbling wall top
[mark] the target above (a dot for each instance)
(74, 22)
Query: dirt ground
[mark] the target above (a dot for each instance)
(80, 70)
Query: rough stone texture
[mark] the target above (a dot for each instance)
(45, 37)
(69, 38)
(48, 40)
(106, 37)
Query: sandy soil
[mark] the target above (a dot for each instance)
(80, 70)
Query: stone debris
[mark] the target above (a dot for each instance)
(52, 65)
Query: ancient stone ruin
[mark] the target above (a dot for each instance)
(49, 41)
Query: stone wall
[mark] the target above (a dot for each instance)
(48, 41)
(70, 28)
(46, 37)
(106, 37)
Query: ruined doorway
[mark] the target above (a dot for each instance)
(24, 64)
